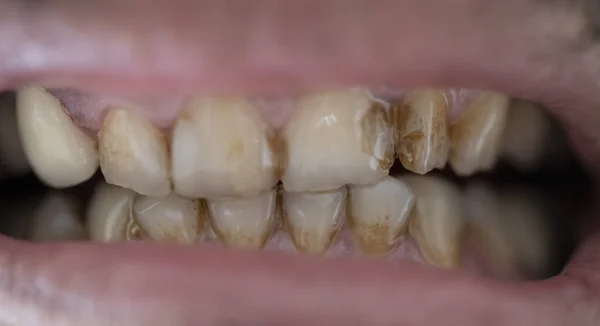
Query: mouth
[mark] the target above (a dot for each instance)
(264, 171)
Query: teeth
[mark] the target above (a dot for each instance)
(169, 219)
(109, 214)
(222, 148)
(336, 138)
(379, 214)
(56, 219)
(59, 153)
(477, 135)
(133, 153)
(244, 223)
(436, 222)
(313, 219)
(421, 131)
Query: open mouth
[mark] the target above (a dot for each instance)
(271, 189)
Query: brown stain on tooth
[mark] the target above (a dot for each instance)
(377, 136)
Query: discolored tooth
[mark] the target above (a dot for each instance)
(56, 219)
(421, 130)
(222, 148)
(336, 138)
(13, 161)
(476, 136)
(108, 216)
(313, 219)
(379, 214)
(436, 222)
(133, 153)
(244, 223)
(169, 219)
(59, 153)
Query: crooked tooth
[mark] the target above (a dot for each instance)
(56, 219)
(476, 136)
(169, 219)
(421, 130)
(379, 214)
(244, 223)
(222, 148)
(133, 153)
(59, 153)
(336, 138)
(109, 214)
(436, 222)
(313, 219)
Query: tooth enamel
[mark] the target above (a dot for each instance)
(476, 137)
(313, 219)
(336, 138)
(421, 130)
(56, 219)
(379, 214)
(109, 213)
(436, 222)
(133, 153)
(169, 219)
(244, 223)
(59, 153)
(222, 148)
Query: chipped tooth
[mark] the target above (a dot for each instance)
(244, 223)
(379, 214)
(133, 153)
(313, 219)
(169, 219)
(109, 214)
(436, 222)
(59, 153)
(222, 148)
(56, 219)
(476, 137)
(336, 138)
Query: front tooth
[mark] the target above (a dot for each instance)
(476, 136)
(244, 223)
(133, 153)
(56, 219)
(313, 219)
(436, 222)
(421, 130)
(336, 138)
(169, 219)
(59, 153)
(222, 148)
(379, 214)
(109, 214)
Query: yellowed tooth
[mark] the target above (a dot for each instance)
(476, 136)
(244, 223)
(379, 214)
(436, 222)
(169, 219)
(56, 219)
(59, 153)
(108, 216)
(336, 138)
(421, 130)
(313, 219)
(222, 148)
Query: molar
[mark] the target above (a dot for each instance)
(56, 219)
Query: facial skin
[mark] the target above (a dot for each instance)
(545, 51)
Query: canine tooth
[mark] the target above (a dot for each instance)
(222, 148)
(313, 219)
(336, 138)
(56, 219)
(244, 223)
(59, 153)
(169, 219)
(133, 153)
(476, 137)
(436, 222)
(109, 213)
(379, 214)
(13, 161)
(421, 130)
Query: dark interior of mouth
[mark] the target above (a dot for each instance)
(562, 185)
